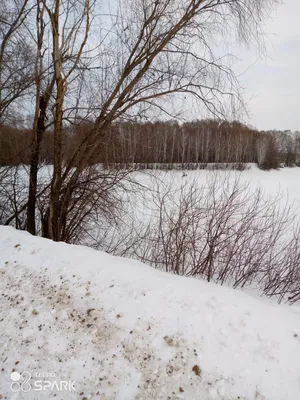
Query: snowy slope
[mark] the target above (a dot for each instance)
(124, 331)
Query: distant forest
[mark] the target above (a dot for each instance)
(198, 142)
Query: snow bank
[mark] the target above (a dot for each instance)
(122, 330)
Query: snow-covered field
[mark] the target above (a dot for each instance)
(141, 234)
(283, 184)
(285, 181)
(122, 330)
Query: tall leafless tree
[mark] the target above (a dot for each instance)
(153, 50)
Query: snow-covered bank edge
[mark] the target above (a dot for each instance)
(122, 330)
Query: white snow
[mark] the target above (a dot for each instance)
(125, 331)
(284, 181)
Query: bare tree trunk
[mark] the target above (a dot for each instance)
(35, 151)
(57, 204)
(39, 128)
(37, 136)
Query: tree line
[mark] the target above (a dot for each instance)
(161, 142)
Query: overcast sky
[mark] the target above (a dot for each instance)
(272, 84)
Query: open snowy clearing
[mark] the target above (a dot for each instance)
(284, 181)
(122, 330)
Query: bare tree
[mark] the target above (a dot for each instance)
(44, 84)
(65, 62)
(166, 51)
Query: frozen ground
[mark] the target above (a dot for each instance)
(123, 331)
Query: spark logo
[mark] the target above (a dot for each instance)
(20, 382)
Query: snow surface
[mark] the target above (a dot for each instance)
(284, 182)
(125, 331)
